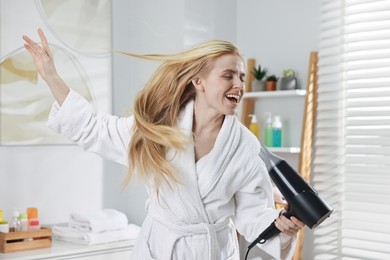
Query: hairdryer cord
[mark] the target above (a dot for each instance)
(270, 232)
(261, 241)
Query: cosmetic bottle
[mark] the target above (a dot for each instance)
(4, 226)
(23, 222)
(268, 130)
(16, 220)
(254, 126)
(277, 132)
(33, 221)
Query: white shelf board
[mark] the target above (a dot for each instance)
(284, 149)
(278, 93)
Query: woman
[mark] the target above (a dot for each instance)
(200, 164)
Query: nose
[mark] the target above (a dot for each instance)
(239, 85)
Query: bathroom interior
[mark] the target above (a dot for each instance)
(59, 178)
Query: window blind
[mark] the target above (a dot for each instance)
(351, 165)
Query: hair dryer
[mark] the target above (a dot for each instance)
(304, 202)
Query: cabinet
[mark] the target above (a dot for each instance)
(64, 250)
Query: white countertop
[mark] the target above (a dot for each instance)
(60, 249)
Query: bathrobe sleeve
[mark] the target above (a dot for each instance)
(255, 211)
(97, 132)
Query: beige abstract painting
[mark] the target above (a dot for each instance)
(79, 34)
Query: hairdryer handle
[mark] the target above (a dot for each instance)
(270, 232)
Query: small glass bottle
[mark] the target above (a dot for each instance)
(16, 221)
(23, 222)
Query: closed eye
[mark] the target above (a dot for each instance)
(228, 76)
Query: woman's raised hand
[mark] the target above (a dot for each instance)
(44, 62)
(41, 55)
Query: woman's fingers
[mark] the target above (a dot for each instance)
(297, 222)
(289, 226)
(44, 63)
(35, 48)
(28, 44)
(283, 226)
(40, 56)
(45, 45)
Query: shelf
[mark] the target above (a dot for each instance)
(278, 93)
(284, 149)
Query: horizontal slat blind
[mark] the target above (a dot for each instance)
(365, 222)
(352, 149)
(328, 141)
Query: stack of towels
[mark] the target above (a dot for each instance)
(98, 227)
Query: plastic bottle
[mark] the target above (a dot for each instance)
(254, 126)
(33, 221)
(4, 226)
(23, 222)
(277, 132)
(16, 221)
(268, 130)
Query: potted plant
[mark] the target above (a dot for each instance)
(270, 84)
(288, 81)
(258, 84)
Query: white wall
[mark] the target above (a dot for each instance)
(56, 179)
(279, 34)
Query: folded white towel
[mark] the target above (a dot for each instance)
(88, 238)
(98, 221)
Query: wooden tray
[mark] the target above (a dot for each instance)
(26, 240)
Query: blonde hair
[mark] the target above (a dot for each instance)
(157, 107)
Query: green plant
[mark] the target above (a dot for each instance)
(259, 73)
(288, 73)
(272, 78)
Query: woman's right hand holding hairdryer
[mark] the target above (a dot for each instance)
(287, 224)
(44, 62)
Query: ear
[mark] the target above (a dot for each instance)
(197, 82)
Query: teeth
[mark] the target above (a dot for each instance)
(236, 97)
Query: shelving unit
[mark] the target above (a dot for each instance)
(307, 120)
(292, 150)
(274, 94)
(289, 104)
(270, 99)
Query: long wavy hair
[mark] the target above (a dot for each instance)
(157, 108)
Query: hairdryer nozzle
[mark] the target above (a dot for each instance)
(269, 158)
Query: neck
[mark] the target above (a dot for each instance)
(206, 119)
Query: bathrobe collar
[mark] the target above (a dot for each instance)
(218, 158)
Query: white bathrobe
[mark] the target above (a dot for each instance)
(227, 190)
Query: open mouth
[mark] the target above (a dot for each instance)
(233, 98)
